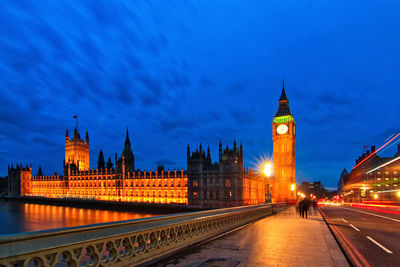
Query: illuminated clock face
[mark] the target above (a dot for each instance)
(282, 129)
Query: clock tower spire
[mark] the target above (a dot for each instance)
(284, 138)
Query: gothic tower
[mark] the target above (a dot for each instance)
(284, 138)
(127, 159)
(77, 150)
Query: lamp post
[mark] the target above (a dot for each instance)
(267, 170)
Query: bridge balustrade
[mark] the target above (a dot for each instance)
(123, 243)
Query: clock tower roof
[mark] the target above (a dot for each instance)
(283, 109)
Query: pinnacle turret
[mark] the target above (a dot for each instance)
(127, 144)
(87, 137)
(100, 161)
(283, 94)
(283, 109)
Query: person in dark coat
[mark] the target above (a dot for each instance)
(306, 206)
(301, 208)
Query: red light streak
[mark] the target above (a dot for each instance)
(372, 207)
(376, 151)
(385, 164)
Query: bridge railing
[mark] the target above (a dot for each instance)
(123, 243)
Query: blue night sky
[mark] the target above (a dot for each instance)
(185, 72)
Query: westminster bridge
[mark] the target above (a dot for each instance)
(131, 242)
(238, 236)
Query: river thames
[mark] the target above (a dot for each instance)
(18, 217)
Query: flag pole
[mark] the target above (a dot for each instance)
(76, 121)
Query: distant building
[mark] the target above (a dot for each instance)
(19, 180)
(223, 184)
(313, 188)
(372, 178)
(342, 180)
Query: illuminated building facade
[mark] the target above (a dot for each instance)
(284, 138)
(122, 183)
(223, 184)
(373, 178)
(205, 184)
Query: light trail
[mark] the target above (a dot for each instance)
(385, 164)
(385, 191)
(370, 155)
(372, 214)
(389, 137)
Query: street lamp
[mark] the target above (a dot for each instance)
(267, 170)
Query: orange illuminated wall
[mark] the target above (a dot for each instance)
(144, 187)
(254, 188)
(49, 186)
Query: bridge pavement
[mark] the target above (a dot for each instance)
(283, 239)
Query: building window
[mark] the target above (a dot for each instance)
(195, 195)
(195, 183)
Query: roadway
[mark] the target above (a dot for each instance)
(372, 234)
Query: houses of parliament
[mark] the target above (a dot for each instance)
(204, 184)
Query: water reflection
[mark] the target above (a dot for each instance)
(16, 217)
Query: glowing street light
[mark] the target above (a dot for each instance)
(267, 170)
(293, 187)
(376, 196)
(398, 193)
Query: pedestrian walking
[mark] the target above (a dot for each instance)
(314, 204)
(301, 208)
(306, 206)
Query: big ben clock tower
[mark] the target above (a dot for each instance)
(284, 138)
